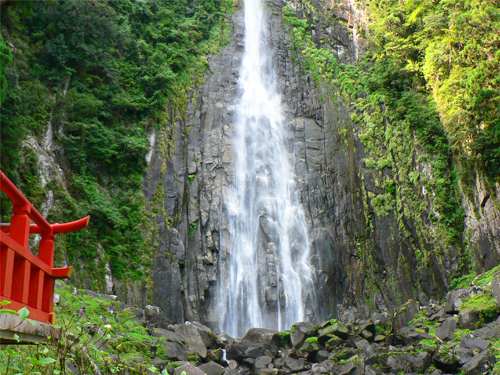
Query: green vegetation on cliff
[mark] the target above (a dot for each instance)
(95, 77)
(424, 99)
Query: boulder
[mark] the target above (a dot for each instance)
(445, 359)
(192, 338)
(480, 364)
(223, 339)
(468, 320)
(405, 313)
(189, 369)
(176, 352)
(258, 335)
(212, 368)
(446, 329)
(474, 343)
(206, 335)
(295, 365)
(336, 328)
(262, 362)
(420, 362)
(299, 333)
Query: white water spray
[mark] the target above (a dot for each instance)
(266, 279)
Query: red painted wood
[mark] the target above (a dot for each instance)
(20, 224)
(25, 279)
(35, 314)
(46, 250)
(25, 253)
(35, 298)
(9, 273)
(48, 294)
(62, 273)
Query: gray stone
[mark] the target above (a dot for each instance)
(263, 361)
(463, 354)
(192, 338)
(405, 313)
(295, 365)
(495, 289)
(299, 333)
(468, 320)
(471, 342)
(258, 335)
(212, 368)
(446, 329)
(189, 369)
(480, 364)
(488, 332)
(420, 362)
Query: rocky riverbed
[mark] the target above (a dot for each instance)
(460, 335)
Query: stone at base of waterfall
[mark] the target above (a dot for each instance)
(405, 313)
(480, 364)
(446, 329)
(258, 335)
(212, 368)
(189, 369)
(223, 339)
(299, 333)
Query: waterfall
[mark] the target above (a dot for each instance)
(266, 279)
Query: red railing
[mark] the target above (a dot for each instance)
(27, 279)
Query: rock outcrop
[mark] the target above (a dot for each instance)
(191, 168)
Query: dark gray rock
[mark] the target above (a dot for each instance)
(463, 354)
(495, 289)
(488, 332)
(446, 329)
(295, 365)
(258, 350)
(321, 355)
(189, 369)
(471, 342)
(299, 333)
(336, 328)
(420, 362)
(468, 320)
(211, 368)
(237, 350)
(223, 339)
(480, 364)
(405, 313)
(206, 335)
(445, 359)
(176, 352)
(262, 362)
(258, 335)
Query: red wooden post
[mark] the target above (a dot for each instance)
(8, 260)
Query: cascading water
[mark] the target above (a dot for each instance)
(266, 279)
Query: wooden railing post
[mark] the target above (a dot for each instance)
(20, 224)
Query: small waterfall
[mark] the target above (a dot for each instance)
(266, 279)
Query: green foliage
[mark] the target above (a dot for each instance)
(102, 74)
(482, 304)
(450, 48)
(312, 340)
(5, 59)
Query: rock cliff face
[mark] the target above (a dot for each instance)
(191, 168)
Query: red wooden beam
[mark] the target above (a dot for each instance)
(19, 199)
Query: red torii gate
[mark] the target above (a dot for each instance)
(27, 280)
